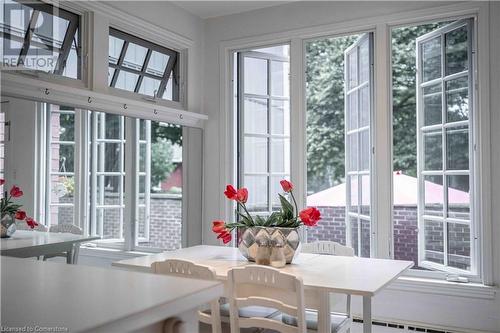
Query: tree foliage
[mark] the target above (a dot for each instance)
(325, 105)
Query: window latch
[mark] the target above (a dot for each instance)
(456, 278)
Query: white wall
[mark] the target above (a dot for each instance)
(463, 312)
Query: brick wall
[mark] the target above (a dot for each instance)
(165, 221)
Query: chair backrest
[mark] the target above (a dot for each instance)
(329, 248)
(267, 287)
(183, 268)
(21, 225)
(66, 227)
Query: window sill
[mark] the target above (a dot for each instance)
(442, 287)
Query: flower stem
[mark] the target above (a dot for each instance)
(295, 203)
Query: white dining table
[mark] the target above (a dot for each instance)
(26, 244)
(41, 296)
(321, 274)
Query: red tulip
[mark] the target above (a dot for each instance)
(20, 215)
(218, 226)
(2, 181)
(225, 236)
(286, 185)
(242, 195)
(310, 216)
(31, 223)
(230, 192)
(16, 192)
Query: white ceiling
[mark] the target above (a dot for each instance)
(209, 9)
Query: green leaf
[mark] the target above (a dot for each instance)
(259, 220)
(245, 219)
(286, 207)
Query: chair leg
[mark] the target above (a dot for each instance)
(215, 314)
(69, 257)
(76, 251)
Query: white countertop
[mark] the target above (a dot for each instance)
(351, 275)
(84, 298)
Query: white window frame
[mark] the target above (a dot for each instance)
(382, 162)
(241, 134)
(444, 173)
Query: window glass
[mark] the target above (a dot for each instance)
(264, 125)
(431, 146)
(146, 68)
(53, 45)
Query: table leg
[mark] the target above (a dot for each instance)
(367, 314)
(324, 319)
(69, 257)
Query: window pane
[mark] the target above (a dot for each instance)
(352, 63)
(365, 195)
(275, 189)
(280, 82)
(432, 98)
(365, 238)
(135, 56)
(280, 117)
(434, 241)
(456, 44)
(63, 157)
(364, 154)
(433, 195)
(149, 86)
(112, 126)
(457, 99)
(457, 148)
(62, 215)
(115, 48)
(278, 50)
(458, 197)
(364, 106)
(255, 154)
(354, 193)
(280, 155)
(111, 157)
(157, 63)
(354, 225)
(364, 62)
(431, 59)
(126, 80)
(62, 189)
(433, 146)
(352, 149)
(459, 245)
(111, 219)
(258, 191)
(255, 75)
(255, 115)
(352, 110)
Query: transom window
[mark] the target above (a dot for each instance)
(38, 36)
(142, 67)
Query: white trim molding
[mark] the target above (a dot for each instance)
(26, 87)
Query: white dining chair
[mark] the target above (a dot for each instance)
(187, 269)
(71, 257)
(341, 322)
(267, 287)
(328, 248)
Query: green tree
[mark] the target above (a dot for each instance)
(161, 160)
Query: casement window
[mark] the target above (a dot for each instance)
(71, 134)
(38, 36)
(142, 67)
(338, 127)
(445, 147)
(264, 125)
(433, 132)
